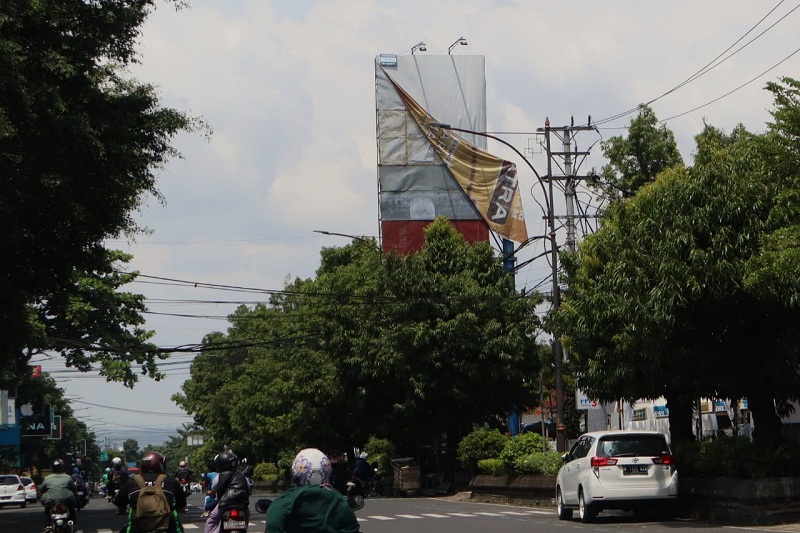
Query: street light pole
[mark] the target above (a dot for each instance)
(558, 350)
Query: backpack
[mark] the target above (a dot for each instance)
(152, 507)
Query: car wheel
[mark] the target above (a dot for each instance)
(563, 512)
(586, 511)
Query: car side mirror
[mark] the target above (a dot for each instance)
(262, 505)
(565, 458)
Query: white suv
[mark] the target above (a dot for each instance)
(627, 470)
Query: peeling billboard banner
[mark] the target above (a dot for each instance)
(489, 182)
(414, 184)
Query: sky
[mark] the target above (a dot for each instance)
(288, 90)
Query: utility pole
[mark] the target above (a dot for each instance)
(564, 160)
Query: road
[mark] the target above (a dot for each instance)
(396, 515)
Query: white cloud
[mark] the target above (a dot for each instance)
(288, 88)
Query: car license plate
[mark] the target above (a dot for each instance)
(634, 469)
(234, 524)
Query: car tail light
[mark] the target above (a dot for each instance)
(21, 487)
(598, 461)
(666, 459)
(33, 487)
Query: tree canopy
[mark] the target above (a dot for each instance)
(410, 348)
(637, 159)
(80, 145)
(670, 297)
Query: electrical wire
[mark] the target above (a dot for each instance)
(709, 66)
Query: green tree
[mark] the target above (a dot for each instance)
(638, 158)
(79, 147)
(76, 441)
(177, 449)
(414, 349)
(439, 342)
(130, 451)
(658, 302)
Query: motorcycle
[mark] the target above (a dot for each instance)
(235, 519)
(374, 487)
(355, 495)
(185, 487)
(60, 522)
(82, 498)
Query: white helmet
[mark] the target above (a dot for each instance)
(182, 464)
(116, 461)
(311, 467)
(363, 455)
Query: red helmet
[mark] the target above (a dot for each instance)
(154, 462)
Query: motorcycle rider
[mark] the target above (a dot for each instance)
(117, 478)
(152, 465)
(56, 487)
(362, 472)
(312, 504)
(80, 483)
(210, 500)
(231, 489)
(182, 473)
(105, 479)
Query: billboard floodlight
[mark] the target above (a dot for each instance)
(419, 46)
(460, 40)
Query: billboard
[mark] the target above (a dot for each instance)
(425, 172)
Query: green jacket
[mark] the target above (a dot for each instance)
(57, 487)
(320, 509)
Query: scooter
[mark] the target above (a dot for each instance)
(60, 522)
(355, 495)
(235, 519)
(185, 487)
(374, 487)
(82, 498)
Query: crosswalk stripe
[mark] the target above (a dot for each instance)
(380, 517)
(433, 515)
(515, 513)
(411, 516)
(462, 515)
(488, 514)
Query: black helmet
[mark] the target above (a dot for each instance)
(58, 466)
(154, 462)
(226, 461)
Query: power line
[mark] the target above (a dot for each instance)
(734, 90)
(710, 66)
(137, 411)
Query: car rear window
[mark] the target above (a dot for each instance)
(26, 480)
(9, 480)
(632, 446)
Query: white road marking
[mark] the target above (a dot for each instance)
(379, 517)
(411, 516)
(463, 515)
(433, 515)
(488, 514)
(515, 513)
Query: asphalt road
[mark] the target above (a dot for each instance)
(396, 515)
